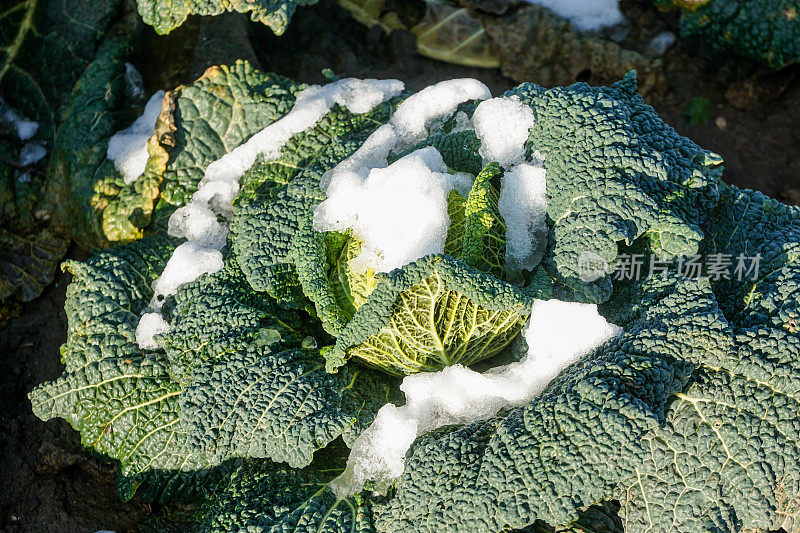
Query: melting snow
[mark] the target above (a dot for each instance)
(134, 83)
(150, 324)
(398, 210)
(503, 126)
(128, 148)
(31, 153)
(188, 262)
(523, 206)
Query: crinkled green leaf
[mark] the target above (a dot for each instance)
(766, 30)
(106, 297)
(127, 409)
(279, 195)
(433, 313)
(729, 457)
(621, 174)
(250, 392)
(166, 15)
(83, 182)
(280, 405)
(214, 115)
(122, 401)
(477, 233)
(268, 497)
(220, 314)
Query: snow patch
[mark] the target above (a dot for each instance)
(358, 96)
(150, 324)
(31, 153)
(585, 15)
(220, 184)
(399, 212)
(128, 148)
(523, 206)
(188, 262)
(661, 43)
(436, 102)
(503, 126)
(25, 128)
(134, 83)
(559, 334)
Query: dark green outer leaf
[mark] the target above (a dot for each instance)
(729, 458)
(82, 182)
(250, 392)
(220, 314)
(767, 30)
(121, 400)
(268, 497)
(278, 405)
(44, 47)
(214, 115)
(616, 174)
(106, 297)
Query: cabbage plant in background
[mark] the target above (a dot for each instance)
(166, 15)
(42, 54)
(558, 42)
(357, 308)
(767, 31)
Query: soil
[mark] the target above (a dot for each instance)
(48, 482)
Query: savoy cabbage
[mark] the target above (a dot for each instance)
(767, 31)
(274, 364)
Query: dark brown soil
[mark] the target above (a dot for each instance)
(49, 483)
